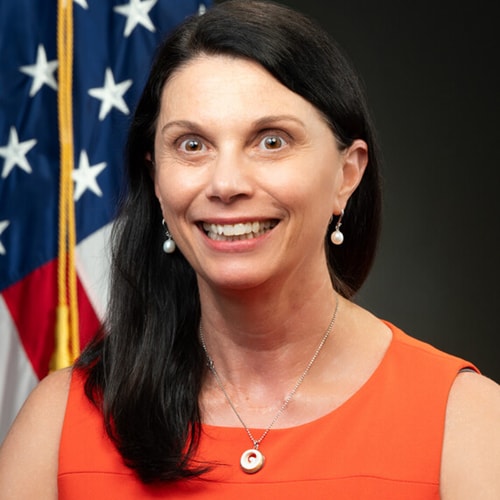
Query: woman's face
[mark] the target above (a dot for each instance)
(248, 174)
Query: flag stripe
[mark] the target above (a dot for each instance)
(32, 304)
(16, 372)
(92, 264)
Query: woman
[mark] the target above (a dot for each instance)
(234, 362)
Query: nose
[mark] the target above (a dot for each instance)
(229, 177)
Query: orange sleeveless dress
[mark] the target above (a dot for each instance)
(384, 442)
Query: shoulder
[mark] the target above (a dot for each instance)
(423, 363)
(471, 448)
(30, 450)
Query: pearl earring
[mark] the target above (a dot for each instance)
(337, 236)
(169, 245)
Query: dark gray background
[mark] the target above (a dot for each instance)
(431, 71)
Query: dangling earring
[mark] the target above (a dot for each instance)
(337, 236)
(169, 245)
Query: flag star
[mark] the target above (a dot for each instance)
(3, 226)
(111, 95)
(85, 176)
(136, 13)
(82, 3)
(42, 71)
(15, 153)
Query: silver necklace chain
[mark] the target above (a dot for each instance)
(211, 366)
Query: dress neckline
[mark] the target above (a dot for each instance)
(352, 399)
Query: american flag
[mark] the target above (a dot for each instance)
(114, 42)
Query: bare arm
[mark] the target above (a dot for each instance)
(29, 454)
(471, 449)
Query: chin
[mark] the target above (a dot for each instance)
(236, 281)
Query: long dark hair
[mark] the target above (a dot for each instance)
(145, 369)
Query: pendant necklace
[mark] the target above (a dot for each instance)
(252, 460)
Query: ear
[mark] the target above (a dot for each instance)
(354, 161)
(151, 167)
(150, 164)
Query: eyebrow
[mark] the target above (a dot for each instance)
(266, 120)
(261, 122)
(179, 123)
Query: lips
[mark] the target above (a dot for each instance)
(238, 231)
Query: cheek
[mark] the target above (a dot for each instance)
(175, 189)
(327, 181)
(309, 187)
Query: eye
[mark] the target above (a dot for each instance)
(192, 145)
(272, 142)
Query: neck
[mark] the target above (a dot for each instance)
(266, 317)
(257, 336)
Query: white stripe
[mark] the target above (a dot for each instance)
(92, 265)
(17, 377)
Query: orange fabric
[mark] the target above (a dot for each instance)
(384, 442)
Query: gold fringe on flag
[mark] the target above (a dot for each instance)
(67, 340)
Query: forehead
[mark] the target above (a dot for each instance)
(226, 84)
(204, 70)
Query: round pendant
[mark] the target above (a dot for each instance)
(252, 461)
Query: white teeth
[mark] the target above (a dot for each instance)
(242, 229)
(239, 231)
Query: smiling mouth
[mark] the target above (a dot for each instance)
(239, 231)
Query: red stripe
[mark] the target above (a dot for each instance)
(89, 322)
(32, 304)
